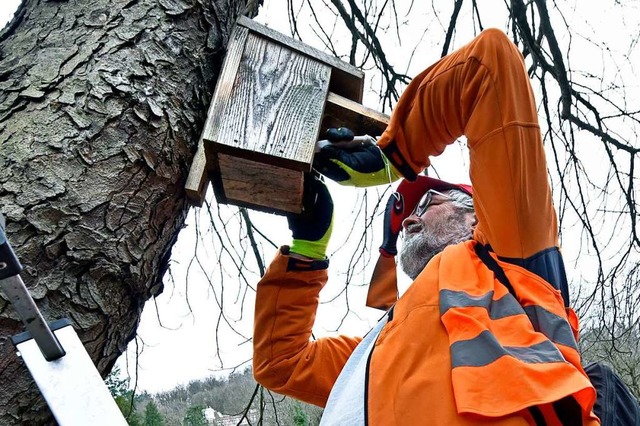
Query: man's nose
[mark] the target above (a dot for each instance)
(412, 219)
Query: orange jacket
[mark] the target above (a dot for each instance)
(482, 91)
(410, 377)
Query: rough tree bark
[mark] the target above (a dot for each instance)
(101, 106)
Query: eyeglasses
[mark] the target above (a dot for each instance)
(426, 200)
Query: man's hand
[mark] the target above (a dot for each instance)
(353, 160)
(312, 228)
(394, 214)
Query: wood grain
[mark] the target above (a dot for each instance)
(273, 113)
(342, 112)
(259, 186)
(346, 79)
(224, 86)
(196, 185)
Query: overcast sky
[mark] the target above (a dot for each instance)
(6, 10)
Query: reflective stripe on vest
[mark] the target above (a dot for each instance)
(555, 328)
(485, 349)
(551, 325)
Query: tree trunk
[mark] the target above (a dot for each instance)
(101, 106)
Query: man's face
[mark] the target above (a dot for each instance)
(434, 226)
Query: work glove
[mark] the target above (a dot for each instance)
(311, 229)
(353, 160)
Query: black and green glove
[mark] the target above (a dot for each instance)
(312, 228)
(353, 160)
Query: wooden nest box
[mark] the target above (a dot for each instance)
(273, 98)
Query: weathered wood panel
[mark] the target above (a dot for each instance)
(228, 75)
(342, 112)
(346, 80)
(274, 111)
(256, 185)
(196, 185)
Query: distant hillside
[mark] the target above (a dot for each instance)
(212, 401)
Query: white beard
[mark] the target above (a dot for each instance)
(424, 242)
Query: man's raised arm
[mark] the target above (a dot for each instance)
(285, 360)
(482, 91)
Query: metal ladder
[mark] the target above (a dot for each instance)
(55, 356)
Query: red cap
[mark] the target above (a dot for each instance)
(412, 192)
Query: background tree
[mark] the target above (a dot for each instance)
(300, 418)
(101, 107)
(195, 416)
(623, 353)
(123, 395)
(152, 416)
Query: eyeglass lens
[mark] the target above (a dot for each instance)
(424, 202)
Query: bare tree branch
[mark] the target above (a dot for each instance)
(452, 25)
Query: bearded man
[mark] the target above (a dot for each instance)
(439, 220)
(484, 335)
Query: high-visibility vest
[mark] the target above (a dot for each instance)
(514, 345)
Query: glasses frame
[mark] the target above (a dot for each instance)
(420, 209)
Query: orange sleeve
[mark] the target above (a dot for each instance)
(285, 360)
(482, 91)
